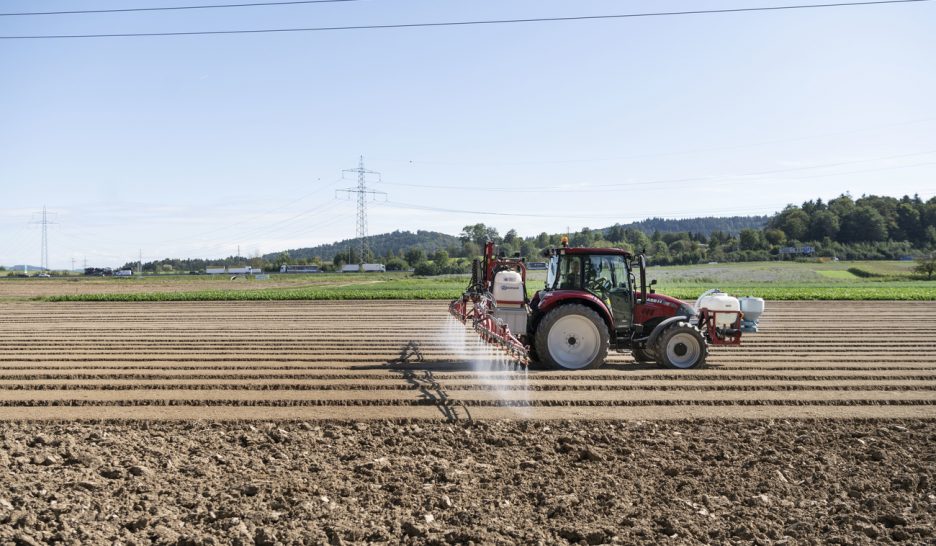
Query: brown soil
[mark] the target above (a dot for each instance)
(341, 360)
(21, 289)
(215, 431)
(506, 482)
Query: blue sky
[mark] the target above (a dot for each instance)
(191, 146)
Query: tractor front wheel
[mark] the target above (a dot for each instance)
(681, 347)
(572, 337)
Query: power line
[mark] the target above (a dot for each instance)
(660, 154)
(460, 23)
(410, 206)
(610, 187)
(173, 8)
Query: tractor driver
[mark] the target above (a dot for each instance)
(570, 275)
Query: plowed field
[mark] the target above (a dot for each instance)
(361, 360)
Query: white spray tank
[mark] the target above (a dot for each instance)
(508, 289)
(752, 308)
(716, 300)
(509, 301)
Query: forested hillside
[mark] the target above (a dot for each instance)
(705, 226)
(380, 245)
(870, 227)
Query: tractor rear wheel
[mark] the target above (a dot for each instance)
(572, 337)
(681, 347)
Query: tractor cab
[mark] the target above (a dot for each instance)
(601, 273)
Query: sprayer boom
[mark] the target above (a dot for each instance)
(496, 303)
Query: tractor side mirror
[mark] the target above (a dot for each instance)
(653, 282)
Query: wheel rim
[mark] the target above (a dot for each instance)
(573, 341)
(683, 350)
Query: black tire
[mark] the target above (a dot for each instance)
(681, 347)
(579, 338)
(643, 354)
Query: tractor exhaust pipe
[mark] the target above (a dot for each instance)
(642, 263)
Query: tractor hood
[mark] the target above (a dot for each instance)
(661, 306)
(663, 299)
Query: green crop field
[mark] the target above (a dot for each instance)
(769, 280)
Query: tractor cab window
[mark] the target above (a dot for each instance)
(570, 273)
(599, 275)
(552, 272)
(605, 273)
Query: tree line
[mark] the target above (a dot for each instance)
(870, 227)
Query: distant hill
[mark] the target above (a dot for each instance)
(705, 225)
(428, 241)
(21, 266)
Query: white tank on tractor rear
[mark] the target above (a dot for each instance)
(509, 301)
(716, 300)
(752, 308)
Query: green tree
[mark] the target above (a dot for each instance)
(395, 264)
(471, 249)
(282, 259)
(824, 223)
(441, 258)
(863, 224)
(775, 236)
(542, 240)
(793, 221)
(479, 233)
(510, 237)
(752, 239)
(909, 227)
(415, 256)
(926, 265)
(930, 235)
(842, 205)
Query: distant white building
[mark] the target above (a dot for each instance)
(366, 268)
(241, 270)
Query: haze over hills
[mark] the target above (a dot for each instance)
(431, 241)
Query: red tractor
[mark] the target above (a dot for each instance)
(591, 303)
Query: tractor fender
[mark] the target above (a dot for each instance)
(655, 334)
(549, 300)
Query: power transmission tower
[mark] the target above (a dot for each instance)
(44, 222)
(362, 195)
